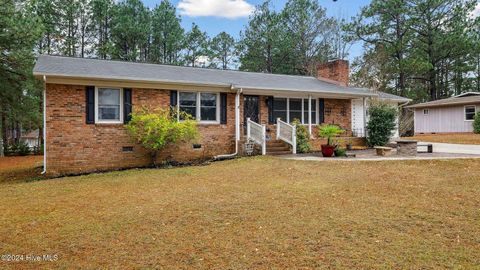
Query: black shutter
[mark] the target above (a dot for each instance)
(127, 105)
(223, 108)
(173, 98)
(271, 121)
(321, 108)
(90, 104)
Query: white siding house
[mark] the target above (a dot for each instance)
(452, 115)
(360, 115)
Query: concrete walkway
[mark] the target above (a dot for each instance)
(451, 148)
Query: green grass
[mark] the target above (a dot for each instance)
(256, 213)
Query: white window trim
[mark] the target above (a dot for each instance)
(426, 110)
(304, 121)
(465, 112)
(198, 107)
(99, 121)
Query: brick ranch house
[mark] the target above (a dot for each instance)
(88, 101)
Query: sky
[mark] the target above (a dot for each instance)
(215, 16)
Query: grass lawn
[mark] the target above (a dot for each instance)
(448, 138)
(256, 213)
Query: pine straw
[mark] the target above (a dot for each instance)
(255, 213)
(15, 169)
(469, 138)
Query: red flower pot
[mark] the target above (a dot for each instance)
(328, 150)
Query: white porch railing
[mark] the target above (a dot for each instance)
(287, 133)
(257, 133)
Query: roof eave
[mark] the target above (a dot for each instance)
(191, 83)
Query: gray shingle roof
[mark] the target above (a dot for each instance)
(448, 102)
(118, 70)
(387, 96)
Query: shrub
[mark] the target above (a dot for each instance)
(17, 149)
(329, 131)
(156, 130)
(303, 138)
(340, 152)
(476, 124)
(381, 124)
(38, 150)
(23, 149)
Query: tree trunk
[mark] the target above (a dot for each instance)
(153, 156)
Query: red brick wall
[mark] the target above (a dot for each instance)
(337, 70)
(75, 147)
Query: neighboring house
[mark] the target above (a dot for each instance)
(451, 115)
(87, 102)
(31, 138)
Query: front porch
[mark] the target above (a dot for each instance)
(267, 121)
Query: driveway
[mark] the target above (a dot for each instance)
(455, 148)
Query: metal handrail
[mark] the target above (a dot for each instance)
(287, 133)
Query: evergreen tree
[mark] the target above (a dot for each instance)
(385, 25)
(264, 45)
(196, 45)
(130, 31)
(310, 33)
(101, 17)
(222, 50)
(20, 30)
(167, 34)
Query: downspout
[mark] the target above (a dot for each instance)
(237, 126)
(44, 124)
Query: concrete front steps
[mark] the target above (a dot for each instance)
(277, 148)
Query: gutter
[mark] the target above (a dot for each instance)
(44, 125)
(237, 126)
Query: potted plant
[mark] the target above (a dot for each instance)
(328, 132)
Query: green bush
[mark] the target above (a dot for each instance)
(303, 138)
(155, 130)
(476, 124)
(17, 149)
(329, 131)
(340, 152)
(38, 150)
(381, 124)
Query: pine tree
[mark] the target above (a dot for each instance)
(196, 45)
(222, 50)
(167, 34)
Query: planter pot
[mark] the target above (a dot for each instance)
(328, 150)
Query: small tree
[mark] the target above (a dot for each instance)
(381, 124)
(156, 130)
(476, 124)
(303, 138)
(328, 132)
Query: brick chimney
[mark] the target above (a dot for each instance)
(336, 71)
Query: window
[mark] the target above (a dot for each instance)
(188, 103)
(425, 111)
(208, 107)
(280, 109)
(470, 113)
(314, 111)
(201, 106)
(295, 112)
(289, 109)
(108, 105)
